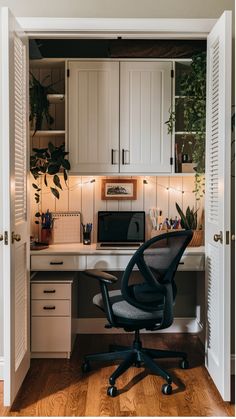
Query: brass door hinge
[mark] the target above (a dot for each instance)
(6, 238)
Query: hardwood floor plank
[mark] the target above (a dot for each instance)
(58, 387)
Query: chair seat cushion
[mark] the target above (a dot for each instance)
(123, 309)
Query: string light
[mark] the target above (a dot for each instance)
(145, 182)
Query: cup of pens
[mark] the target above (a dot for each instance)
(87, 228)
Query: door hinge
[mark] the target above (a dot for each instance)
(171, 161)
(68, 72)
(6, 238)
(172, 73)
(227, 237)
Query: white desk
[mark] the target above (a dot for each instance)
(78, 257)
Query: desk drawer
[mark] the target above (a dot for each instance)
(50, 308)
(108, 262)
(192, 263)
(50, 291)
(57, 263)
(50, 334)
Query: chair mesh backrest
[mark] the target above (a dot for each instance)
(157, 261)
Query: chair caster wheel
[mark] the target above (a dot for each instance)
(112, 391)
(184, 364)
(166, 389)
(137, 364)
(85, 367)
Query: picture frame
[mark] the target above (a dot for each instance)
(121, 189)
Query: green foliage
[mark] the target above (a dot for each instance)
(49, 161)
(193, 105)
(188, 220)
(39, 104)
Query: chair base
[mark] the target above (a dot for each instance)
(136, 355)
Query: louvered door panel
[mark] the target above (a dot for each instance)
(14, 140)
(20, 305)
(218, 204)
(20, 132)
(214, 137)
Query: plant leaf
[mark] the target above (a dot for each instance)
(65, 175)
(55, 192)
(35, 186)
(66, 164)
(45, 180)
(57, 182)
(53, 169)
(37, 214)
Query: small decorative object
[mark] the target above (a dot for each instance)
(119, 189)
(189, 222)
(87, 229)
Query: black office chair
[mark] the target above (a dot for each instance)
(146, 305)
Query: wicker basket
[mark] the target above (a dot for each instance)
(198, 238)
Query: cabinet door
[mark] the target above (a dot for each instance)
(145, 100)
(94, 116)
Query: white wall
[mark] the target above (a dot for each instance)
(119, 8)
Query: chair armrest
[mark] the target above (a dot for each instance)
(101, 276)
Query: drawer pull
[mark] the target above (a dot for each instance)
(181, 263)
(49, 307)
(49, 291)
(56, 263)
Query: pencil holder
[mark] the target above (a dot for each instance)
(86, 237)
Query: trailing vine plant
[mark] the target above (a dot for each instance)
(193, 104)
(48, 163)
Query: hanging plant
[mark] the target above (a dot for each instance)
(48, 163)
(39, 104)
(193, 104)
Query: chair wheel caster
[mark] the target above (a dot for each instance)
(85, 367)
(166, 389)
(137, 364)
(184, 364)
(112, 391)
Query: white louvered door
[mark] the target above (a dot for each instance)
(14, 139)
(218, 145)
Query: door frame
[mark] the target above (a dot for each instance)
(113, 28)
(141, 28)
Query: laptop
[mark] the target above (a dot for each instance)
(120, 229)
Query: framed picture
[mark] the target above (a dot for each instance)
(119, 189)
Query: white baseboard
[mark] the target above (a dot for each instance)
(96, 326)
(1, 367)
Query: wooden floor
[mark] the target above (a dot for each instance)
(58, 388)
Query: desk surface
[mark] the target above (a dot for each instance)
(80, 249)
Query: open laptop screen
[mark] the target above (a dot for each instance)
(121, 226)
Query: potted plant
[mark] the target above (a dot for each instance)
(46, 226)
(193, 104)
(188, 221)
(49, 163)
(39, 104)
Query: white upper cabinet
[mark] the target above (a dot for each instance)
(145, 101)
(94, 116)
(117, 113)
